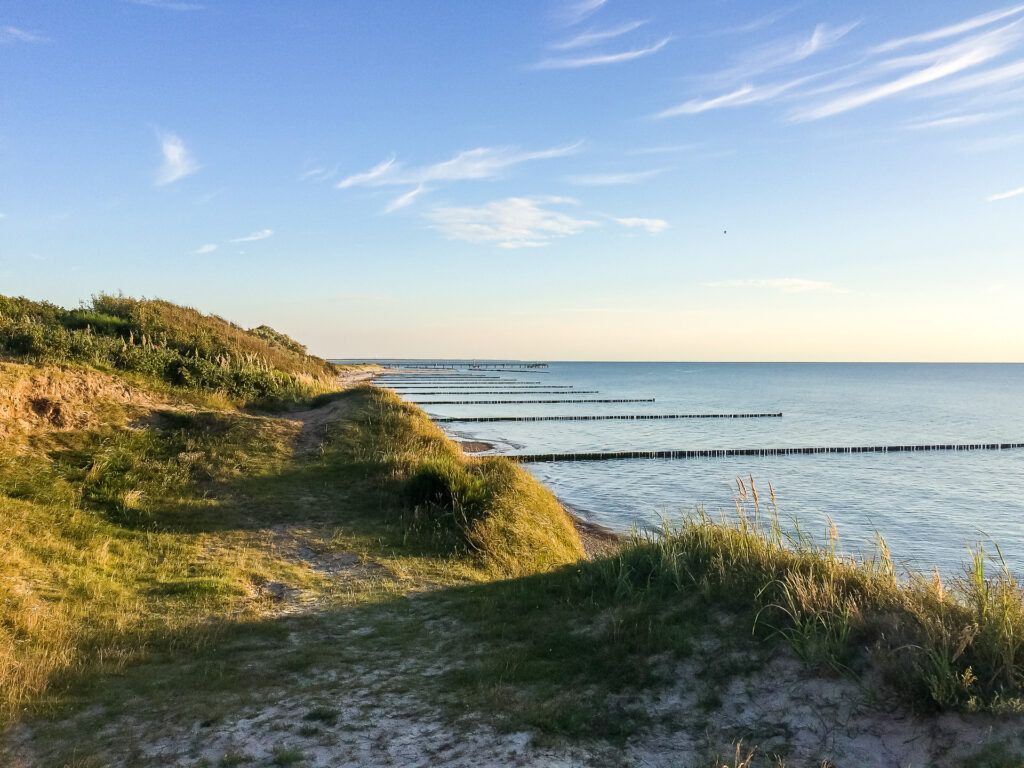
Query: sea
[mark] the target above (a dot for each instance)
(931, 508)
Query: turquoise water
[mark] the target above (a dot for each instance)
(929, 506)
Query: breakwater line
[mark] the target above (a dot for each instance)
(444, 378)
(490, 385)
(613, 417)
(517, 402)
(719, 453)
(480, 388)
(508, 392)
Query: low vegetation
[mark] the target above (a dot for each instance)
(158, 535)
(164, 342)
(487, 509)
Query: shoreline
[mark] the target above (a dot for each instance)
(598, 540)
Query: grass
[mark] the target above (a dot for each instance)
(164, 342)
(140, 537)
(489, 510)
(123, 540)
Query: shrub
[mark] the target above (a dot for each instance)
(447, 499)
(160, 340)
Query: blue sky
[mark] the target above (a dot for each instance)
(572, 179)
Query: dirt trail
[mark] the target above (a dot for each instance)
(315, 420)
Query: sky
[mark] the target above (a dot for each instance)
(557, 180)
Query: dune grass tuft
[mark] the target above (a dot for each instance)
(948, 644)
(488, 508)
(165, 342)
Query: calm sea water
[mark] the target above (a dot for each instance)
(929, 506)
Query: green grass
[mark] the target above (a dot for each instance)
(164, 342)
(139, 539)
(123, 541)
(490, 510)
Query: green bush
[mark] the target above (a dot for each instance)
(160, 340)
(446, 497)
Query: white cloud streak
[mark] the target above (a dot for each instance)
(650, 226)
(10, 35)
(318, 173)
(981, 80)
(481, 163)
(577, 11)
(760, 22)
(602, 59)
(595, 36)
(405, 200)
(1005, 195)
(372, 176)
(470, 164)
(515, 222)
(946, 62)
(741, 97)
(977, 22)
(178, 161)
(781, 53)
(956, 121)
(959, 58)
(614, 179)
(208, 248)
(784, 284)
(262, 234)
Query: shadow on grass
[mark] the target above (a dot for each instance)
(561, 654)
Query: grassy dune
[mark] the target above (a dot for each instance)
(167, 343)
(159, 534)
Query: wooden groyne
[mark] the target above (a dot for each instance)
(491, 385)
(453, 365)
(443, 378)
(615, 417)
(519, 402)
(720, 453)
(478, 388)
(504, 392)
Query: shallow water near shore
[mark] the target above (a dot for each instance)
(929, 506)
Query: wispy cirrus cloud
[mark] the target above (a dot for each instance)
(595, 36)
(784, 284)
(10, 35)
(953, 30)
(479, 164)
(741, 97)
(203, 249)
(614, 179)
(576, 11)
(939, 64)
(1005, 195)
(601, 59)
(650, 226)
(968, 57)
(761, 22)
(514, 222)
(956, 121)
(997, 76)
(470, 164)
(261, 234)
(379, 174)
(782, 53)
(405, 200)
(318, 173)
(177, 160)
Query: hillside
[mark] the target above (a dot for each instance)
(219, 551)
(164, 342)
